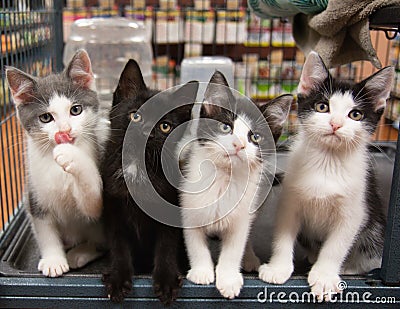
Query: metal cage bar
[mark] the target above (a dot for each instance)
(390, 272)
(28, 38)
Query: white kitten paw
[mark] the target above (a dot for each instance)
(275, 273)
(82, 254)
(64, 155)
(324, 284)
(201, 275)
(229, 282)
(53, 266)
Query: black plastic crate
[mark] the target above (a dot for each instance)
(23, 286)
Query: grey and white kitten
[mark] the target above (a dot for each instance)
(66, 131)
(223, 179)
(330, 201)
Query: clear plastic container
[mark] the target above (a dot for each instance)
(202, 69)
(110, 43)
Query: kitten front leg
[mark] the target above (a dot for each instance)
(201, 264)
(87, 188)
(118, 280)
(324, 275)
(167, 279)
(280, 266)
(229, 280)
(53, 262)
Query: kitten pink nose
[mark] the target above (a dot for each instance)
(335, 126)
(238, 145)
(64, 128)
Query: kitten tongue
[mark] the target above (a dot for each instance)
(63, 138)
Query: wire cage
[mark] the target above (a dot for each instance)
(266, 63)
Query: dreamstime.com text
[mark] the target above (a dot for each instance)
(346, 296)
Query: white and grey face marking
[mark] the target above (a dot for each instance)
(241, 131)
(57, 108)
(337, 113)
(335, 123)
(63, 115)
(234, 144)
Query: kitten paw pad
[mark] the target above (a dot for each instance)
(167, 287)
(229, 284)
(63, 154)
(201, 275)
(53, 266)
(276, 274)
(324, 285)
(117, 289)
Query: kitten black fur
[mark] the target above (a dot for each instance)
(363, 97)
(137, 242)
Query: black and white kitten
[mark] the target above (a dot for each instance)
(329, 193)
(66, 131)
(223, 178)
(139, 243)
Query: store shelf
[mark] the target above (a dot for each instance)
(22, 51)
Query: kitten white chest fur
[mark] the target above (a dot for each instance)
(221, 196)
(323, 175)
(329, 187)
(53, 188)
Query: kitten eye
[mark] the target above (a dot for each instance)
(322, 107)
(165, 127)
(226, 128)
(256, 138)
(136, 117)
(46, 118)
(76, 110)
(356, 115)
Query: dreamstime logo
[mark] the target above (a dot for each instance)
(344, 296)
(141, 155)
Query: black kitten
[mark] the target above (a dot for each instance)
(137, 241)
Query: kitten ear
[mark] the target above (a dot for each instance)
(218, 78)
(215, 92)
(276, 112)
(378, 86)
(314, 72)
(21, 85)
(186, 95)
(188, 92)
(131, 82)
(79, 70)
